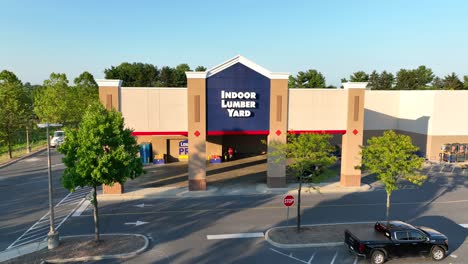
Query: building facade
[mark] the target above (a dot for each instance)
(239, 104)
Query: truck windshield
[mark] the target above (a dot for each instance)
(59, 134)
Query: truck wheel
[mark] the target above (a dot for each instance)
(437, 253)
(377, 257)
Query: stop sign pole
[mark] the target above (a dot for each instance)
(288, 202)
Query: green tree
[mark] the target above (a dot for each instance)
(309, 79)
(437, 84)
(100, 152)
(465, 82)
(392, 157)
(52, 102)
(166, 77)
(359, 76)
(292, 82)
(386, 80)
(15, 107)
(134, 74)
(374, 81)
(200, 69)
(307, 156)
(84, 93)
(180, 79)
(416, 79)
(451, 82)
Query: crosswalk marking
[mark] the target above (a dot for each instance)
(38, 231)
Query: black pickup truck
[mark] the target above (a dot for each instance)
(381, 242)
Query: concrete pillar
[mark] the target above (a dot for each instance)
(276, 172)
(353, 138)
(196, 107)
(109, 95)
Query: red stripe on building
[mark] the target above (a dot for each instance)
(220, 133)
(248, 132)
(159, 133)
(337, 132)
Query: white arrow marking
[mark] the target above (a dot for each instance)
(137, 223)
(142, 205)
(454, 256)
(464, 225)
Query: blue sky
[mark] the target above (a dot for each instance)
(335, 37)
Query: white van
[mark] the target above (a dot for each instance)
(57, 139)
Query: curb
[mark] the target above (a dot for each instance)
(8, 163)
(102, 257)
(22, 250)
(327, 244)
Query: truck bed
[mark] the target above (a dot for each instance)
(366, 232)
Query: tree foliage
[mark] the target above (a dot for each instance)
(134, 74)
(52, 101)
(100, 152)
(451, 82)
(392, 157)
(309, 79)
(148, 75)
(417, 79)
(359, 76)
(15, 107)
(304, 151)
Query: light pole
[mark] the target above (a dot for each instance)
(52, 236)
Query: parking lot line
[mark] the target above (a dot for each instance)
(334, 257)
(311, 258)
(289, 256)
(240, 235)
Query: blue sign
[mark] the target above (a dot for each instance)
(183, 147)
(238, 99)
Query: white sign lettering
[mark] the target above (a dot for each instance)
(235, 108)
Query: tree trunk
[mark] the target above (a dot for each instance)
(28, 147)
(96, 217)
(9, 145)
(388, 208)
(299, 205)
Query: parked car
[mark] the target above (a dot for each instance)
(382, 242)
(57, 139)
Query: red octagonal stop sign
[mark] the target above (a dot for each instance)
(288, 200)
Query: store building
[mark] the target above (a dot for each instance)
(239, 104)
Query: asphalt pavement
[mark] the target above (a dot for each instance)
(180, 228)
(230, 229)
(24, 197)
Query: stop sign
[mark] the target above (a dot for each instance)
(288, 200)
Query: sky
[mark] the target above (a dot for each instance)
(334, 37)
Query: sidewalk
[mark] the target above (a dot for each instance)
(26, 155)
(237, 189)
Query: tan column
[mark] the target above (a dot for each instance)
(350, 152)
(276, 171)
(109, 95)
(196, 96)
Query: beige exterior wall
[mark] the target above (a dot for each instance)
(431, 118)
(416, 108)
(317, 109)
(449, 114)
(381, 110)
(155, 109)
